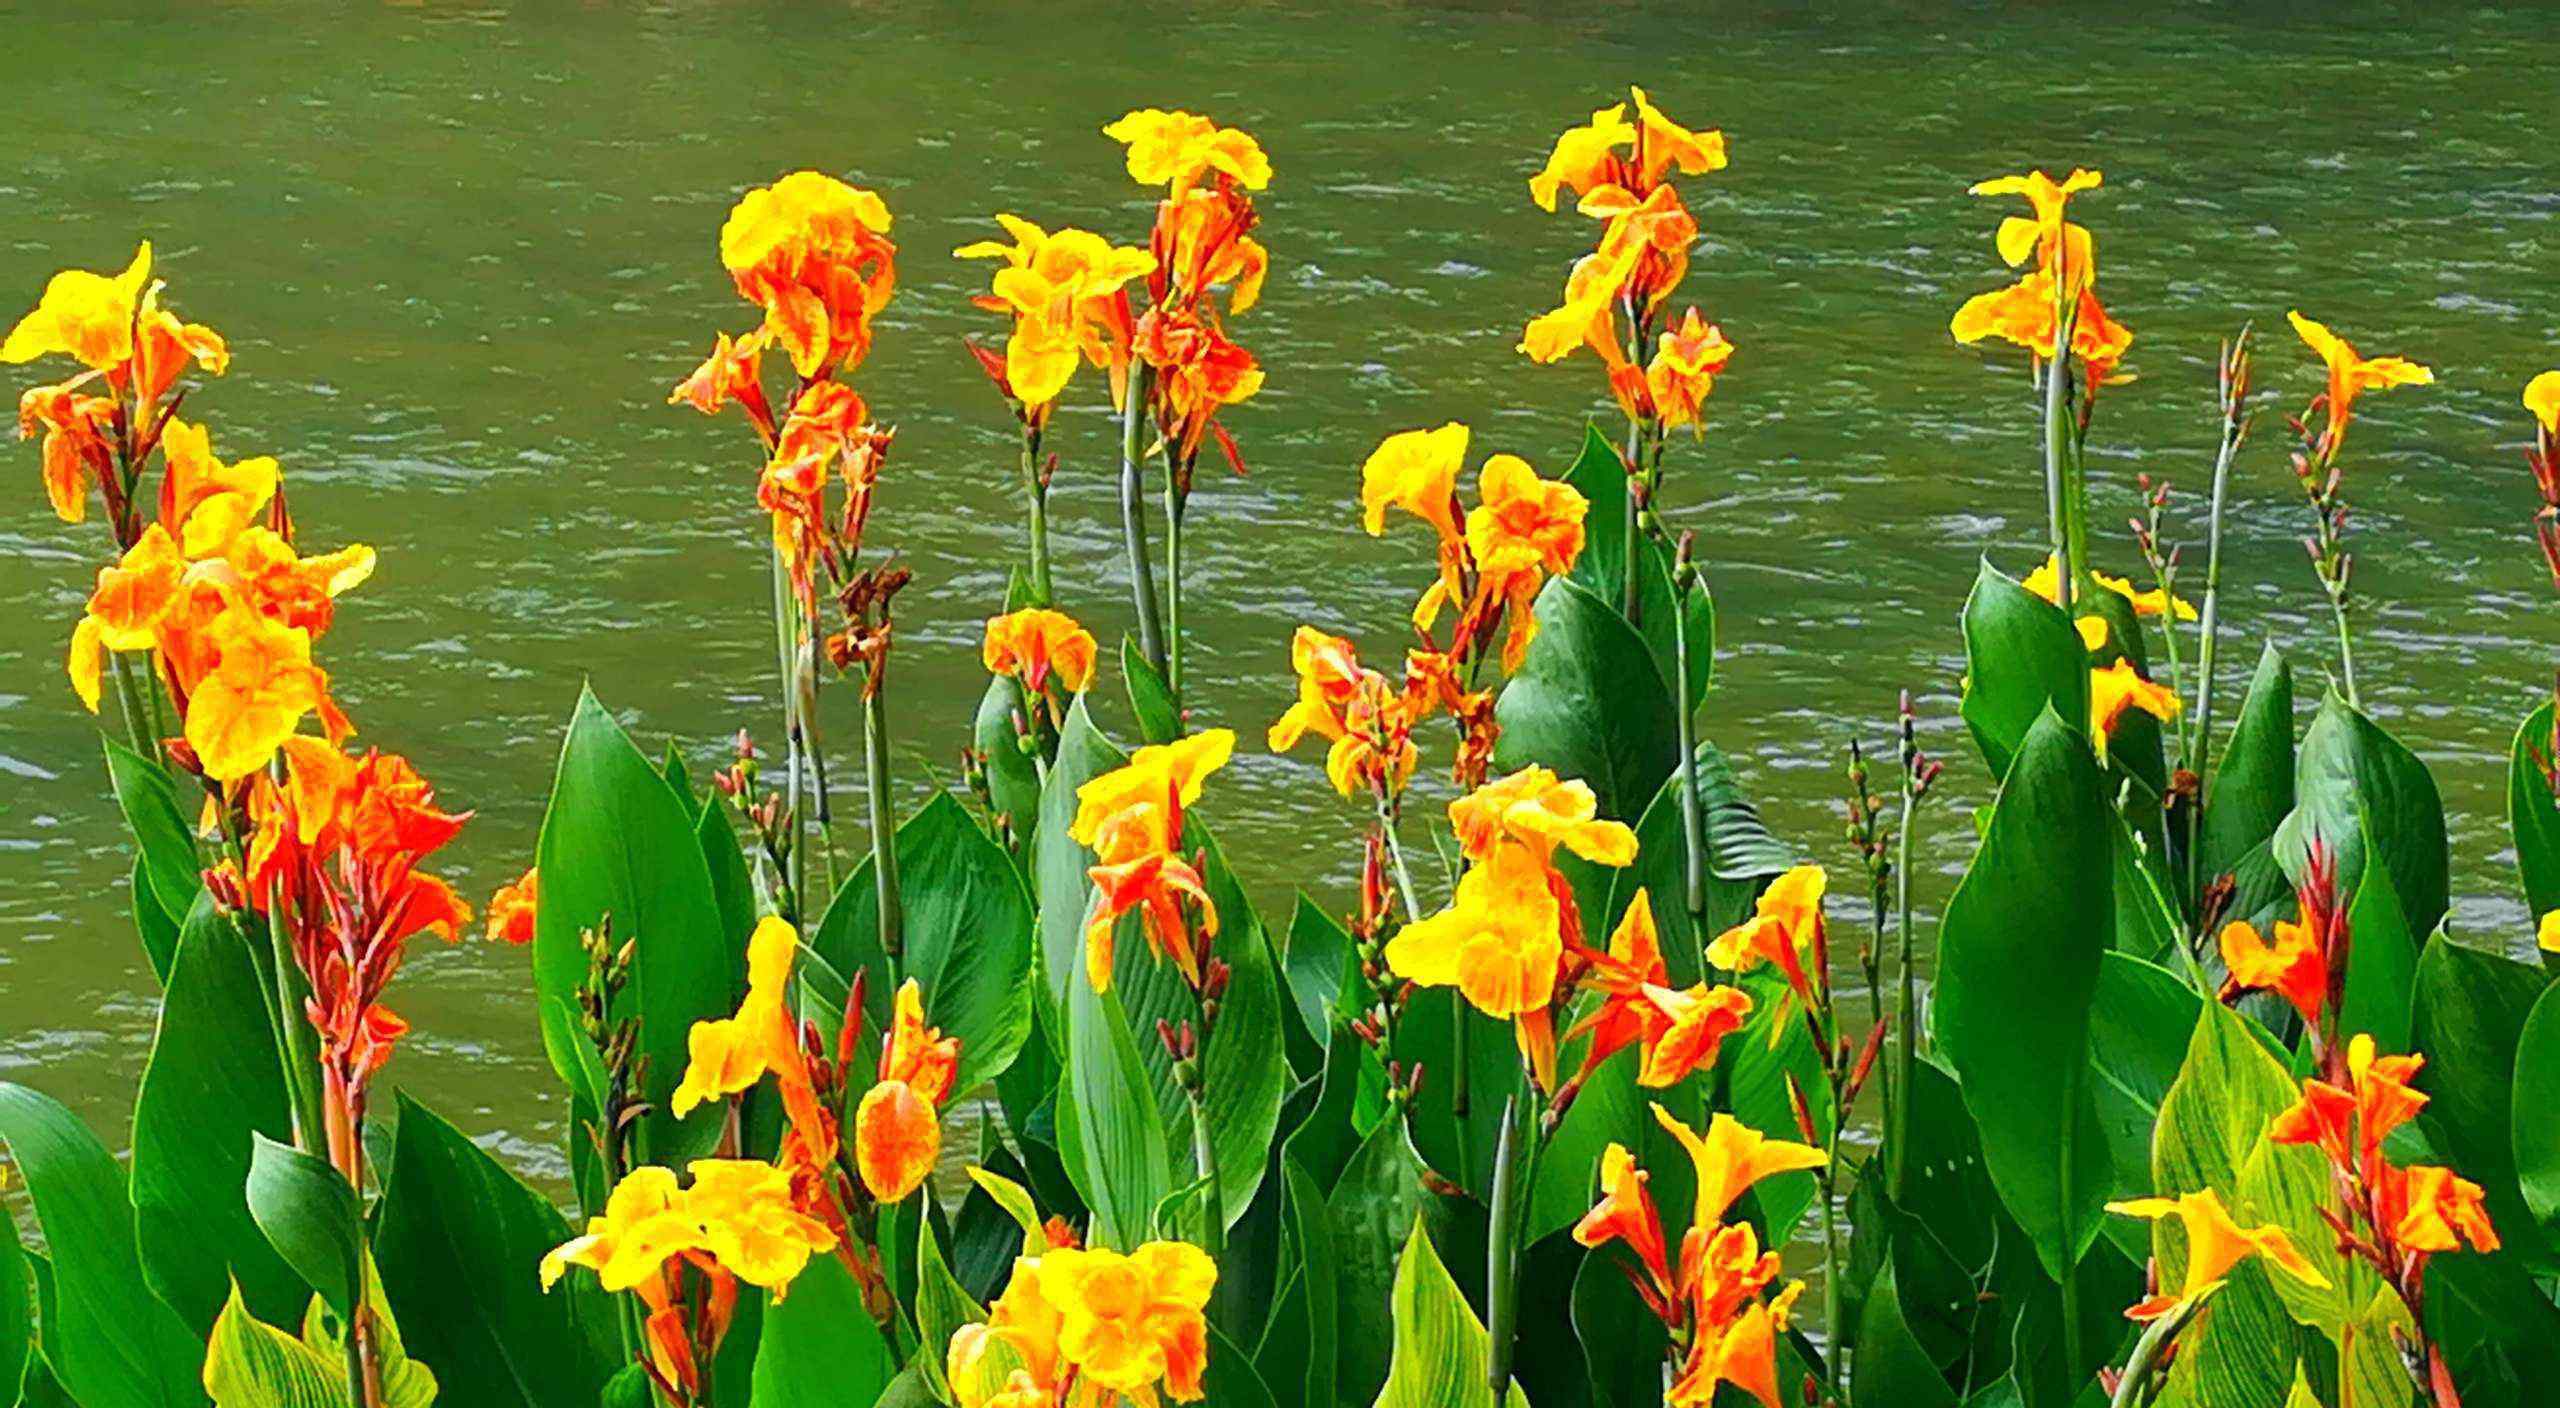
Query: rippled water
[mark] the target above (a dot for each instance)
(461, 255)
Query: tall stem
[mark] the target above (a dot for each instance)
(1133, 516)
(2346, 644)
(1907, 1002)
(2208, 640)
(884, 850)
(1693, 827)
(2147, 1356)
(1037, 494)
(1832, 1362)
(786, 677)
(1204, 1155)
(1174, 504)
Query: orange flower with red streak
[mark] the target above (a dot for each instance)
(2293, 966)
(897, 1129)
(1131, 819)
(1684, 369)
(2350, 376)
(511, 909)
(1035, 645)
(1368, 719)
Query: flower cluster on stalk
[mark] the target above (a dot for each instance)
(2062, 287)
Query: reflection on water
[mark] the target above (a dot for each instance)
(460, 257)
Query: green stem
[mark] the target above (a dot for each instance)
(2208, 639)
(1204, 1154)
(1174, 504)
(2346, 645)
(1042, 589)
(2147, 1356)
(129, 703)
(1907, 1005)
(1133, 517)
(1832, 1361)
(294, 1039)
(1515, 1151)
(884, 852)
(2066, 516)
(787, 875)
(1693, 829)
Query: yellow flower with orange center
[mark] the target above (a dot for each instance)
(2542, 399)
(2044, 582)
(1369, 720)
(645, 1222)
(1785, 928)
(738, 1213)
(1130, 1323)
(2023, 313)
(1063, 290)
(1587, 317)
(1035, 644)
(1538, 812)
(1131, 819)
(1522, 530)
(2351, 375)
(2215, 1244)
(1417, 471)
(897, 1130)
(1584, 157)
(1742, 1352)
(730, 1054)
(2046, 234)
(1499, 942)
(814, 254)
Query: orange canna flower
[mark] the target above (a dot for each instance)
(1199, 372)
(168, 346)
(2119, 688)
(2349, 1125)
(814, 254)
(1065, 294)
(1686, 1029)
(1131, 819)
(2215, 1244)
(133, 598)
(733, 372)
(1369, 721)
(1650, 233)
(1588, 316)
(1129, 1322)
(1742, 1352)
(1417, 471)
(511, 909)
(2350, 376)
(2428, 1209)
(77, 452)
(2293, 966)
(1785, 928)
(1523, 529)
(2023, 313)
(1178, 149)
(1731, 1158)
(1626, 1213)
(1684, 369)
(897, 1132)
(84, 316)
(1034, 643)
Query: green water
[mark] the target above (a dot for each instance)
(460, 256)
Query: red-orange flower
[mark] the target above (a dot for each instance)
(897, 1132)
(1033, 644)
(511, 909)
(2293, 966)
(814, 254)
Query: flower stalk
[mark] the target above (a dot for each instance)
(1133, 518)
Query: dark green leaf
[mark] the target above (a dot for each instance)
(1589, 702)
(309, 1215)
(163, 829)
(1600, 474)
(1111, 1131)
(2022, 656)
(2471, 1011)
(1013, 779)
(458, 1243)
(1741, 856)
(1379, 1199)
(2537, 1094)
(2356, 780)
(212, 1081)
(2382, 961)
(110, 1341)
(2253, 787)
(2020, 951)
(819, 1347)
(1159, 717)
(1893, 1371)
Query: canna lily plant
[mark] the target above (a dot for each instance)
(1025, 1097)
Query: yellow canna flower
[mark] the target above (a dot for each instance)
(1165, 774)
(2350, 376)
(1742, 1351)
(1131, 819)
(1128, 1323)
(2542, 398)
(1011, 1359)
(133, 597)
(1522, 530)
(1785, 928)
(2046, 232)
(1177, 149)
(2023, 312)
(1499, 942)
(1034, 643)
(2546, 935)
(2215, 1244)
(646, 1220)
(84, 316)
(1666, 144)
(77, 447)
(204, 501)
(897, 1130)
(261, 684)
(1417, 471)
(2155, 602)
(730, 1054)
(1064, 292)
(1587, 317)
(1536, 811)
(2118, 688)
(1585, 157)
(1731, 1158)
(750, 1224)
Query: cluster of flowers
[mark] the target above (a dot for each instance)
(1619, 173)
(1086, 1328)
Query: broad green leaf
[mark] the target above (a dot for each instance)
(2382, 961)
(2497, 1327)
(968, 930)
(2243, 1350)
(1379, 1199)
(1623, 1343)
(2533, 810)
(1441, 1358)
(1317, 963)
(212, 1082)
(1231, 1377)
(2535, 1130)
(2139, 1027)
(406, 1383)
(1589, 702)
(2252, 789)
(2228, 1089)
(309, 1215)
(1756, 1068)
(2022, 656)
(942, 1305)
(111, 1342)
(151, 924)
(733, 885)
(1060, 882)
(458, 1242)
(1893, 1371)
(616, 845)
(1159, 718)
(1307, 1375)
(2354, 780)
(2370, 1370)
(2020, 952)
(2471, 1012)
(1112, 1131)
(163, 832)
(17, 1313)
(819, 1348)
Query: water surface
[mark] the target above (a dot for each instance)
(461, 254)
